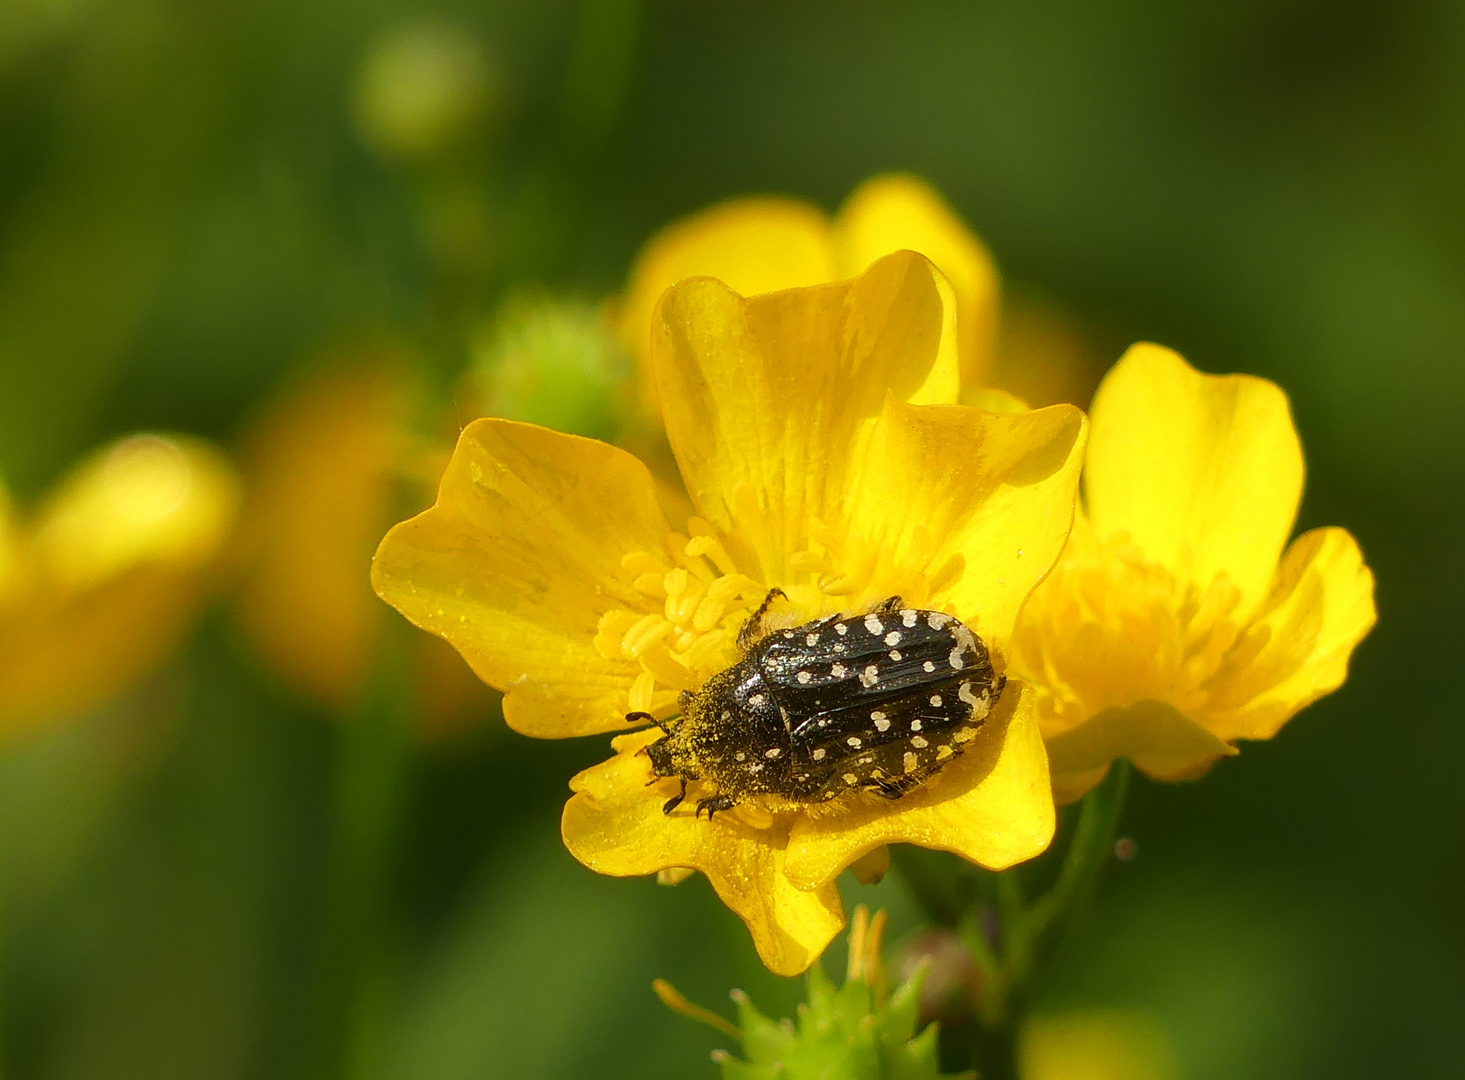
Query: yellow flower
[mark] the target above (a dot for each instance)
(325, 464)
(103, 584)
(762, 244)
(1175, 623)
(818, 440)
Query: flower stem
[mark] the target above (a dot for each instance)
(367, 800)
(1012, 940)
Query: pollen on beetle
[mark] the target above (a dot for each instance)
(874, 625)
(742, 756)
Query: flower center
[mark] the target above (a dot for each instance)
(1109, 627)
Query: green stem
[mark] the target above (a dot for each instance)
(367, 801)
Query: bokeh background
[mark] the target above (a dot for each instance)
(232, 872)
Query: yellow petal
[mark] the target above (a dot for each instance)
(518, 559)
(902, 213)
(990, 495)
(614, 824)
(1203, 472)
(992, 805)
(322, 484)
(754, 245)
(767, 400)
(116, 571)
(1297, 649)
(1162, 742)
(148, 500)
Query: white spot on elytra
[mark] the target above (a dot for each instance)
(854, 741)
(908, 762)
(841, 629)
(726, 715)
(870, 676)
(895, 654)
(882, 723)
(838, 671)
(850, 778)
(908, 618)
(742, 756)
(936, 700)
(893, 638)
(964, 735)
(804, 677)
(819, 754)
(919, 742)
(756, 700)
(955, 659)
(928, 667)
(874, 625)
(811, 639)
(756, 767)
(839, 648)
(939, 621)
(773, 753)
(964, 692)
(943, 752)
(916, 724)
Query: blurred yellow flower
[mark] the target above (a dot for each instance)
(819, 440)
(325, 467)
(1102, 1044)
(106, 579)
(763, 244)
(1175, 624)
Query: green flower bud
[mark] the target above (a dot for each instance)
(555, 363)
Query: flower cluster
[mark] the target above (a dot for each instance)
(827, 459)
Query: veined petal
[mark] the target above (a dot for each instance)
(613, 826)
(902, 213)
(517, 561)
(1161, 741)
(1297, 648)
(1203, 472)
(992, 805)
(753, 245)
(767, 400)
(991, 496)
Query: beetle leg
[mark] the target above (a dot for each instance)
(675, 800)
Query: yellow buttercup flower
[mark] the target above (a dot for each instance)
(102, 584)
(1175, 623)
(325, 464)
(763, 244)
(819, 440)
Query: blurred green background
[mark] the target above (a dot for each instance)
(196, 197)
